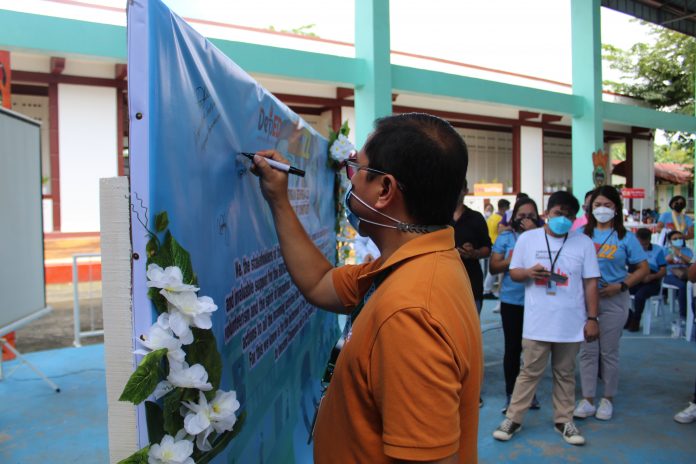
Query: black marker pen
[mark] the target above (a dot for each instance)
(277, 165)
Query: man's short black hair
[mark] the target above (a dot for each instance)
(427, 156)
(644, 234)
(563, 198)
(503, 204)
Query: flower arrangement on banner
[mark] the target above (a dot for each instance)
(340, 149)
(181, 365)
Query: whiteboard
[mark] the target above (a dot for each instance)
(22, 289)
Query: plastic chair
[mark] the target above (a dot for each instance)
(671, 290)
(689, 311)
(646, 318)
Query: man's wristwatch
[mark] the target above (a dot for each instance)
(592, 318)
(624, 286)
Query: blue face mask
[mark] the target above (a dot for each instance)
(560, 225)
(353, 218)
(678, 243)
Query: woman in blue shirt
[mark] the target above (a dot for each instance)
(650, 285)
(678, 258)
(675, 219)
(616, 250)
(525, 216)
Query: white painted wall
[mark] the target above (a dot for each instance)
(490, 157)
(532, 164)
(644, 171)
(88, 152)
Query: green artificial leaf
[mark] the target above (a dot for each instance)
(182, 259)
(345, 129)
(161, 221)
(173, 421)
(155, 422)
(145, 378)
(139, 457)
(204, 351)
(222, 441)
(152, 246)
(158, 300)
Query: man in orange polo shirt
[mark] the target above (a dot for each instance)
(406, 383)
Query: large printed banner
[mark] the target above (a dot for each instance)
(192, 111)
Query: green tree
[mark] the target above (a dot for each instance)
(661, 74)
(305, 30)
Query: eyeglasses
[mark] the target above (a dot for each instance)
(352, 168)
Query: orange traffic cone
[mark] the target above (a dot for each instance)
(7, 354)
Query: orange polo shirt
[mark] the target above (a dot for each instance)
(406, 384)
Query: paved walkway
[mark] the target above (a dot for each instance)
(40, 426)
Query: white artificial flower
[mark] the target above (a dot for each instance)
(170, 279)
(189, 377)
(186, 310)
(159, 336)
(171, 451)
(341, 149)
(203, 417)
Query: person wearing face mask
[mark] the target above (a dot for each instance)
(676, 219)
(413, 336)
(581, 220)
(559, 271)
(678, 258)
(488, 210)
(651, 283)
(525, 216)
(616, 249)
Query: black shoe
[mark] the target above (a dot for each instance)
(489, 296)
(535, 403)
(480, 402)
(634, 325)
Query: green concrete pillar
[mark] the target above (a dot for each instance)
(373, 98)
(588, 135)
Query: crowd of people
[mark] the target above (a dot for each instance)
(403, 382)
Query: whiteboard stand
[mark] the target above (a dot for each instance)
(21, 358)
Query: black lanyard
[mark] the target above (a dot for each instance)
(604, 242)
(548, 248)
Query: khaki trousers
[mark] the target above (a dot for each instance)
(535, 355)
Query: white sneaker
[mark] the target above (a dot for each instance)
(686, 416)
(584, 409)
(506, 430)
(605, 410)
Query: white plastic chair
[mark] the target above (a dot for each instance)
(689, 311)
(649, 312)
(671, 291)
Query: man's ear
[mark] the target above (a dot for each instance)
(388, 191)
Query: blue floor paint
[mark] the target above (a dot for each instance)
(38, 425)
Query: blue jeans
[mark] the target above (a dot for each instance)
(671, 279)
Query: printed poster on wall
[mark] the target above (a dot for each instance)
(192, 111)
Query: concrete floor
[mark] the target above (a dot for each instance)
(40, 426)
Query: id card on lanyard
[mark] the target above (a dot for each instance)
(551, 285)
